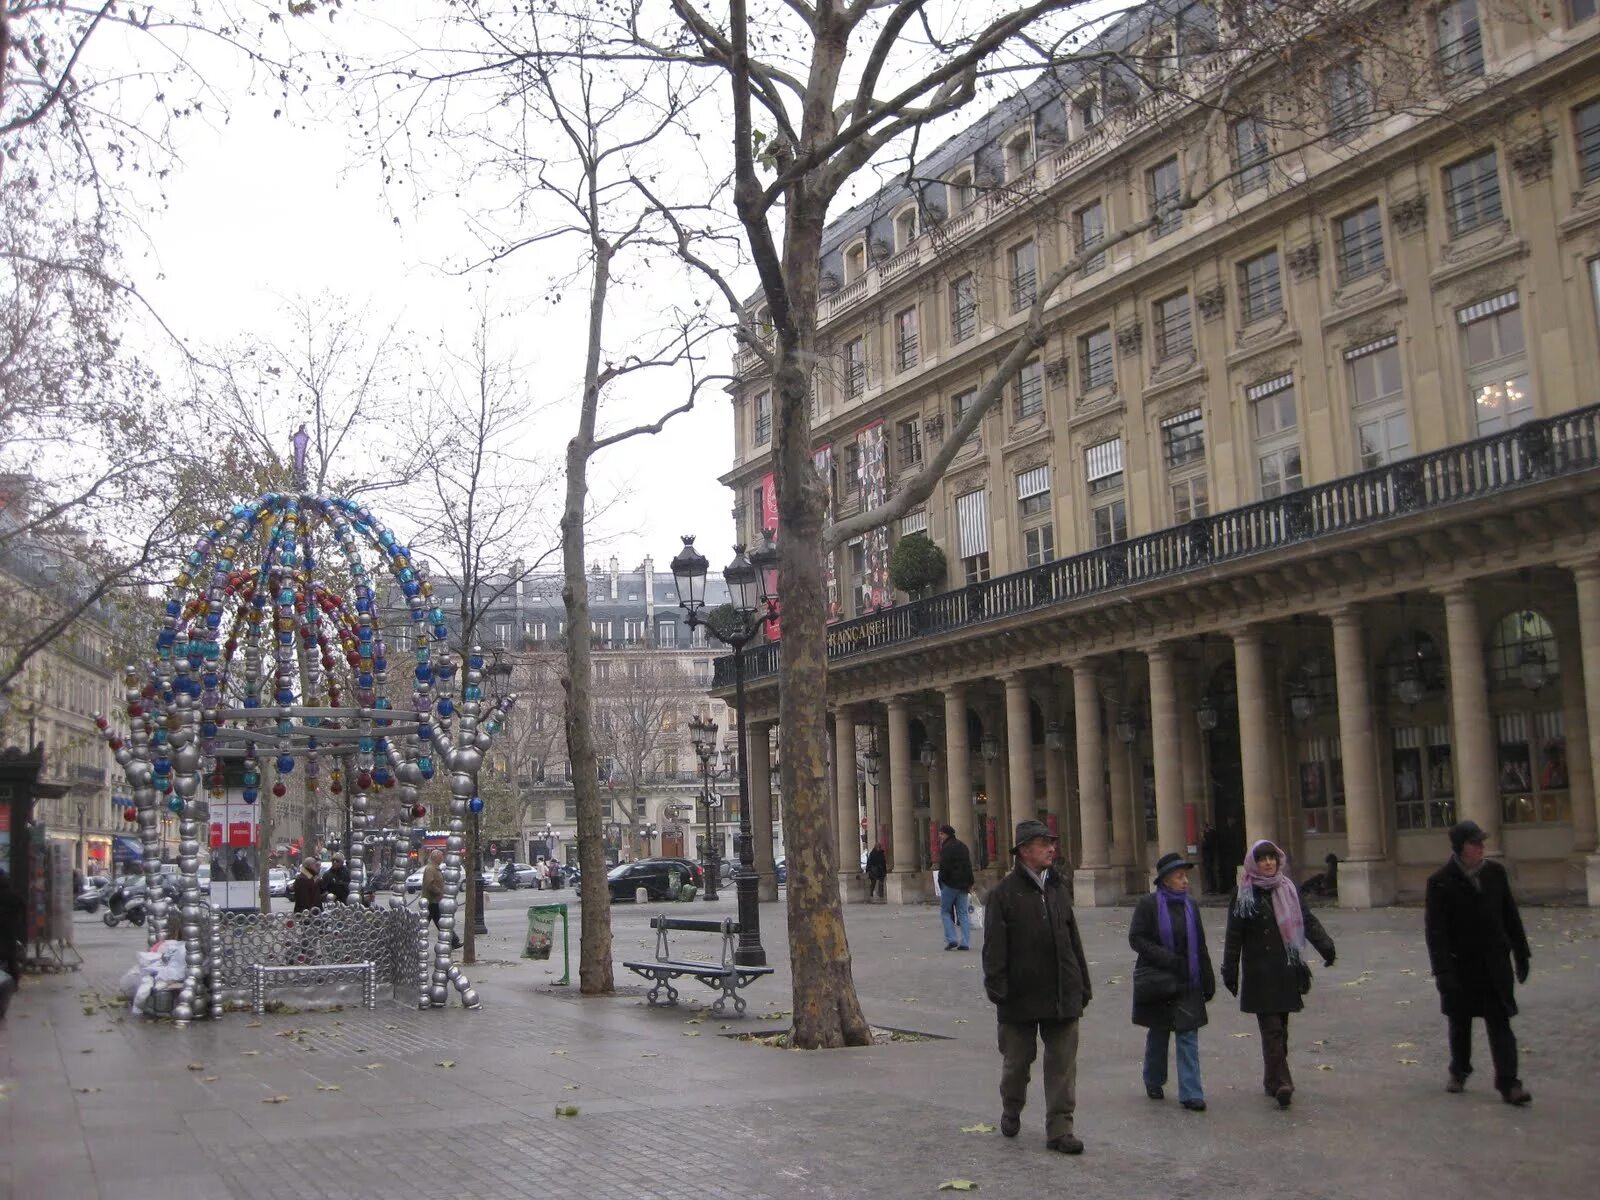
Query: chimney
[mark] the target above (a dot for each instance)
(616, 576)
(647, 570)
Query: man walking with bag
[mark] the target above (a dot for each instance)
(1474, 933)
(955, 884)
(1036, 975)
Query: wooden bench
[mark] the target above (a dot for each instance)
(726, 977)
(263, 977)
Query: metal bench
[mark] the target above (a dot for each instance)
(726, 977)
(263, 977)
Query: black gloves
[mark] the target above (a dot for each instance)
(1522, 969)
(1327, 959)
(1230, 980)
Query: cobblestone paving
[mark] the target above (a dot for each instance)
(397, 1102)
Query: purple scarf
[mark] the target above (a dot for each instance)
(1166, 901)
(1285, 899)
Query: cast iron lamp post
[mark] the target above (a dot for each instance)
(872, 763)
(703, 737)
(749, 584)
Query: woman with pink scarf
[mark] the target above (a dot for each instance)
(1268, 928)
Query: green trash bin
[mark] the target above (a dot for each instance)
(541, 937)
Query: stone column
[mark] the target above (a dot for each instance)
(1194, 761)
(1477, 776)
(851, 888)
(1256, 746)
(994, 786)
(1055, 799)
(1366, 877)
(958, 765)
(1019, 749)
(1127, 818)
(1094, 883)
(1587, 577)
(1575, 722)
(760, 772)
(1167, 745)
(905, 883)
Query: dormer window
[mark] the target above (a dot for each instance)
(958, 191)
(905, 228)
(1019, 155)
(1160, 64)
(1086, 111)
(855, 262)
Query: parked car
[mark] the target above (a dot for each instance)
(652, 874)
(414, 881)
(519, 875)
(277, 881)
(783, 870)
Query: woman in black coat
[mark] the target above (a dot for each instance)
(1268, 928)
(1172, 980)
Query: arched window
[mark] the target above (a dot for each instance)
(1019, 155)
(855, 262)
(958, 191)
(1522, 651)
(905, 228)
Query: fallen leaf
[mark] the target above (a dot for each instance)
(571, 1087)
(1324, 1066)
(561, 1053)
(1405, 1045)
(962, 1021)
(1320, 1042)
(958, 1185)
(980, 1127)
(329, 1087)
(1402, 1002)
(87, 1090)
(90, 1050)
(253, 1025)
(371, 1066)
(197, 1066)
(1241, 1035)
(250, 1053)
(446, 1063)
(275, 1100)
(691, 1033)
(649, 1054)
(208, 1079)
(566, 1110)
(1409, 1062)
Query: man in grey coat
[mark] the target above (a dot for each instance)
(1035, 973)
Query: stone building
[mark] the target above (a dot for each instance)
(1287, 531)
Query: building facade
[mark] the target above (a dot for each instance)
(1286, 531)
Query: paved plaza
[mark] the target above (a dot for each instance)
(404, 1103)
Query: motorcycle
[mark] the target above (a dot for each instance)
(125, 904)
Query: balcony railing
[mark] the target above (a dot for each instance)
(1537, 451)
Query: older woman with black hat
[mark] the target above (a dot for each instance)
(1263, 959)
(1172, 980)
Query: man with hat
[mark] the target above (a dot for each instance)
(1036, 975)
(1475, 934)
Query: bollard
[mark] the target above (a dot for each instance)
(641, 895)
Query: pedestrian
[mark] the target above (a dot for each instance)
(877, 872)
(13, 937)
(433, 893)
(1035, 974)
(1263, 960)
(336, 880)
(307, 888)
(555, 875)
(1172, 980)
(955, 884)
(1474, 934)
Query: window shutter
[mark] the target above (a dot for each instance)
(1104, 459)
(1033, 482)
(972, 523)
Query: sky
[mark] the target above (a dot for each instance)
(266, 208)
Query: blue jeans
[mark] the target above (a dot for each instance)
(954, 905)
(1155, 1062)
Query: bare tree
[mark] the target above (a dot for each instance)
(637, 712)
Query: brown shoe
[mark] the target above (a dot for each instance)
(1066, 1144)
(1517, 1094)
(1457, 1084)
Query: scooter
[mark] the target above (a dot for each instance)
(124, 904)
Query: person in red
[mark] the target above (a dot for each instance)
(307, 888)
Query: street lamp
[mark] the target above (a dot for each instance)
(1054, 736)
(748, 587)
(703, 737)
(1127, 726)
(989, 747)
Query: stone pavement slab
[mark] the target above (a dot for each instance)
(100, 1106)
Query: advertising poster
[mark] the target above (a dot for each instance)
(823, 461)
(235, 857)
(769, 520)
(873, 481)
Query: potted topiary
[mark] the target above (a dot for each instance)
(917, 565)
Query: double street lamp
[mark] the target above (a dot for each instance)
(752, 582)
(703, 737)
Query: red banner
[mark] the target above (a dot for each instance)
(990, 835)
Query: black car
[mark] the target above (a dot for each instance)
(652, 874)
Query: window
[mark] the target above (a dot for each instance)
(1383, 430)
(1173, 330)
(972, 534)
(1532, 764)
(905, 228)
(1024, 278)
(763, 418)
(1586, 123)
(1472, 192)
(1164, 189)
(852, 468)
(1518, 638)
(905, 339)
(602, 672)
(1277, 422)
(959, 404)
(1019, 155)
(859, 589)
(1358, 243)
(1095, 364)
(1103, 471)
(633, 631)
(1088, 231)
(909, 441)
(1579, 10)
(1086, 110)
(1460, 39)
(1029, 390)
(855, 368)
(666, 632)
(963, 308)
(1247, 139)
(958, 191)
(855, 262)
(1033, 491)
(1321, 783)
(1189, 499)
(702, 672)
(1349, 98)
(1039, 545)
(1160, 64)
(1260, 287)
(1497, 364)
(1183, 440)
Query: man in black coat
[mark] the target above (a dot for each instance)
(1474, 934)
(877, 872)
(335, 881)
(955, 882)
(1036, 975)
